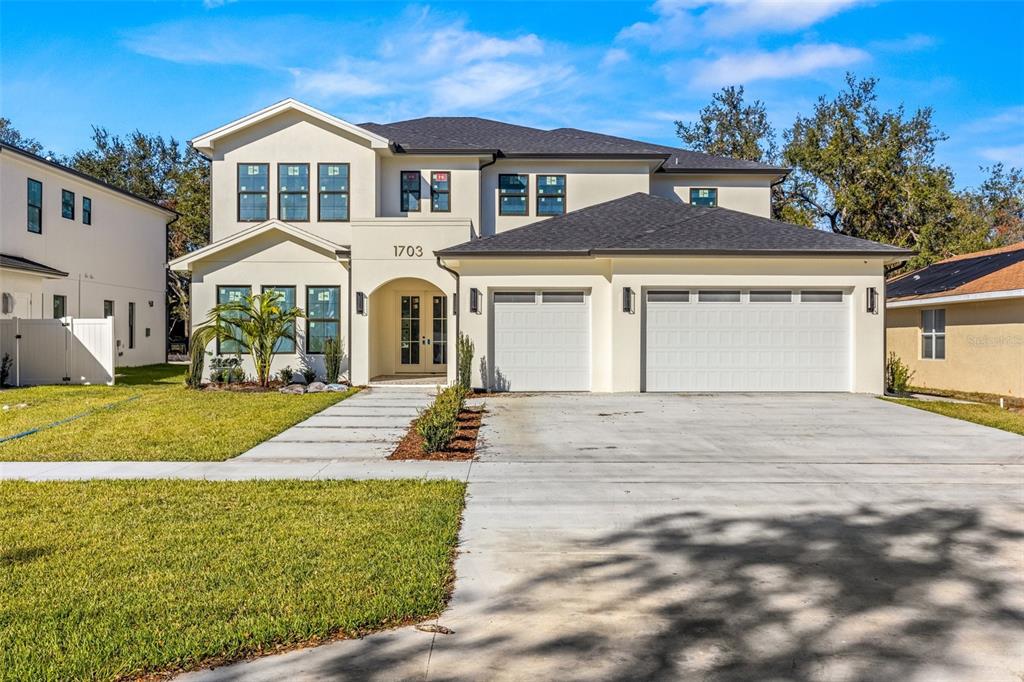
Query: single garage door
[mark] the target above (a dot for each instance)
(541, 341)
(747, 340)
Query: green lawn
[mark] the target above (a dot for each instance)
(152, 416)
(106, 579)
(986, 415)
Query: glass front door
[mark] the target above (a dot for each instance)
(410, 332)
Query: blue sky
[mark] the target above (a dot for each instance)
(627, 68)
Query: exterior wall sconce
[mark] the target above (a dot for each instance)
(455, 304)
(873, 300)
(360, 303)
(474, 300)
(627, 300)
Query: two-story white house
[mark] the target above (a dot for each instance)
(572, 260)
(73, 246)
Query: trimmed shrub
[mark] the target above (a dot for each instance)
(332, 360)
(464, 359)
(439, 422)
(285, 375)
(897, 375)
(226, 370)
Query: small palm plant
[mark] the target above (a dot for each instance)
(257, 323)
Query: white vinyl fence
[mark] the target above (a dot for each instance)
(65, 351)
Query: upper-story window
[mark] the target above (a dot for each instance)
(410, 191)
(933, 334)
(550, 194)
(67, 204)
(332, 186)
(440, 191)
(512, 194)
(253, 192)
(86, 211)
(704, 196)
(293, 191)
(35, 206)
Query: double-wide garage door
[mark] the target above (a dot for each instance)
(747, 340)
(541, 341)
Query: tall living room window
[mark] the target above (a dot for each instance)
(293, 192)
(410, 191)
(253, 192)
(512, 194)
(332, 186)
(323, 317)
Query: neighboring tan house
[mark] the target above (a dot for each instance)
(959, 323)
(72, 246)
(573, 260)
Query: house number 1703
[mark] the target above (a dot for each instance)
(408, 250)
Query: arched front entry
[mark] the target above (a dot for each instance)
(408, 330)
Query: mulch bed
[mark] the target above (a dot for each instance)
(462, 447)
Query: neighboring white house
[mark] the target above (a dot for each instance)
(72, 246)
(573, 260)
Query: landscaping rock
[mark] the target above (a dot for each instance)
(316, 387)
(336, 388)
(296, 389)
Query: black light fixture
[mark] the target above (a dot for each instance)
(455, 304)
(474, 300)
(360, 303)
(627, 300)
(873, 300)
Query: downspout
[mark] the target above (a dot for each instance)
(480, 193)
(455, 309)
(167, 275)
(351, 294)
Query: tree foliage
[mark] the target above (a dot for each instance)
(729, 127)
(257, 323)
(12, 136)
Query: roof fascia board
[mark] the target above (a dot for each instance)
(35, 158)
(620, 253)
(781, 172)
(52, 273)
(956, 298)
(181, 263)
(206, 140)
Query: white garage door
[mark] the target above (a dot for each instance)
(747, 340)
(541, 341)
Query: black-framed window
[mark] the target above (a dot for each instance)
(704, 196)
(293, 192)
(284, 345)
(333, 189)
(60, 306)
(550, 194)
(35, 206)
(933, 334)
(441, 191)
(411, 191)
(108, 308)
(323, 317)
(67, 204)
(86, 211)
(439, 309)
(131, 324)
(229, 294)
(512, 194)
(253, 192)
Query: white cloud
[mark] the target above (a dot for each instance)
(790, 62)
(614, 56)
(340, 82)
(1011, 155)
(489, 83)
(685, 23)
(1008, 119)
(915, 42)
(213, 4)
(260, 43)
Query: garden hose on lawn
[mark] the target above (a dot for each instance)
(69, 419)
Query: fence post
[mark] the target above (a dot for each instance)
(17, 352)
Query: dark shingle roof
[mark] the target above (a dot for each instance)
(26, 265)
(472, 134)
(644, 224)
(957, 274)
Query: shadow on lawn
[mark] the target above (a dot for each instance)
(868, 595)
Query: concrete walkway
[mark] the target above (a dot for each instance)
(622, 537)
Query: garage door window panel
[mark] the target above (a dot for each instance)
(821, 296)
(771, 296)
(714, 296)
(515, 297)
(668, 297)
(563, 297)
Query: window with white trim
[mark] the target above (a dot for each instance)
(933, 334)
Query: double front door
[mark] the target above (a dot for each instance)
(422, 332)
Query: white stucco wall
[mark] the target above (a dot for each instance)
(616, 336)
(750, 193)
(119, 257)
(586, 183)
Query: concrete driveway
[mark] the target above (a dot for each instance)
(722, 537)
